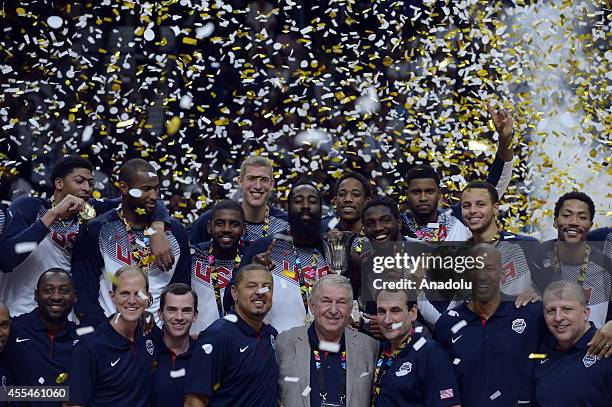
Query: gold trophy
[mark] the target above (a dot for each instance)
(337, 250)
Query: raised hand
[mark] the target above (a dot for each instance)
(266, 257)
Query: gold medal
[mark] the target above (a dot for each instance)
(87, 214)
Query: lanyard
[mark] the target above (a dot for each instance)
(321, 376)
(141, 251)
(382, 366)
(429, 234)
(306, 281)
(214, 277)
(265, 228)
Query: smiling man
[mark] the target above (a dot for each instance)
(569, 376)
(122, 238)
(295, 257)
(178, 309)
(256, 181)
(48, 229)
(326, 363)
(112, 366)
(572, 258)
(234, 362)
(39, 349)
(351, 192)
(213, 263)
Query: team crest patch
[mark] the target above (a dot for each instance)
(588, 360)
(272, 342)
(404, 369)
(150, 347)
(519, 325)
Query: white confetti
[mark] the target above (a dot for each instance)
(263, 290)
(177, 373)
(84, 330)
(55, 22)
(364, 374)
(186, 102)
(41, 380)
(456, 361)
(419, 344)
(117, 317)
(418, 329)
(329, 346)
(231, 318)
(495, 395)
(135, 192)
(306, 391)
(149, 35)
(397, 325)
(142, 295)
(457, 327)
(291, 379)
(25, 247)
(205, 31)
(207, 348)
(150, 232)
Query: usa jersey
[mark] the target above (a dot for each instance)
(49, 248)
(201, 283)
(288, 308)
(103, 248)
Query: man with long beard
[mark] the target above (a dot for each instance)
(294, 257)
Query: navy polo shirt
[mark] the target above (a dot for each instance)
(491, 357)
(422, 377)
(571, 378)
(332, 371)
(168, 387)
(234, 365)
(34, 356)
(107, 369)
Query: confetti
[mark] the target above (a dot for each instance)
(538, 356)
(457, 327)
(329, 346)
(456, 361)
(231, 318)
(263, 290)
(41, 380)
(117, 316)
(175, 374)
(495, 395)
(143, 296)
(25, 247)
(419, 344)
(134, 192)
(207, 348)
(61, 378)
(306, 391)
(55, 22)
(397, 325)
(84, 330)
(291, 379)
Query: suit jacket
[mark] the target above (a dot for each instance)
(293, 354)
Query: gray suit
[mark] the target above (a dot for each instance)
(293, 354)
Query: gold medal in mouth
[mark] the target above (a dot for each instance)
(87, 214)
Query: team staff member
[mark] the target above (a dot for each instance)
(410, 371)
(234, 362)
(39, 349)
(112, 366)
(256, 181)
(53, 225)
(338, 377)
(424, 221)
(121, 238)
(491, 338)
(5, 333)
(213, 263)
(178, 309)
(296, 260)
(568, 376)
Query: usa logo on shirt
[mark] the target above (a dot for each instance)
(404, 369)
(150, 347)
(519, 325)
(588, 360)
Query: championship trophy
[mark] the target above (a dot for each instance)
(337, 250)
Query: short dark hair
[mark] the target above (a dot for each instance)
(253, 266)
(134, 269)
(131, 167)
(479, 184)
(54, 270)
(367, 188)
(422, 171)
(305, 181)
(227, 204)
(409, 303)
(382, 201)
(178, 289)
(581, 196)
(67, 164)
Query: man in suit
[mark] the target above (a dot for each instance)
(326, 363)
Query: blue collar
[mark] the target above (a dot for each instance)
(246, 329)
(37, 324)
